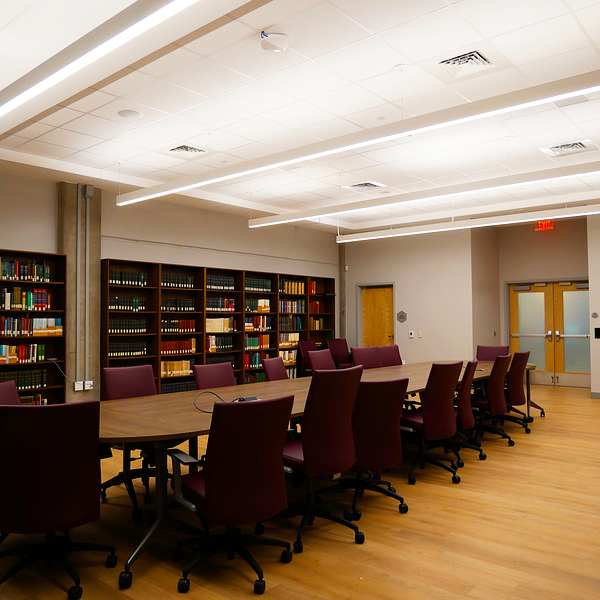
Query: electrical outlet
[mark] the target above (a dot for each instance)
(88, 385)
(78, 386)
(411, 334)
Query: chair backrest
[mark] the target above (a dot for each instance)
(327, 435)
(376, 424)
(437, 401)
(495, 385)
(321, 359)
(127, 382)
(515, 393)
(490, 352)
(274, 368)
(243, 468)
(367, 356)
(214, 375)
(9, 394)
(52, 482)
(466, 420)
(339, 350)
(389, 355)
(305, 347)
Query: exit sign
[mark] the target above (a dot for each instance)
(547, 225)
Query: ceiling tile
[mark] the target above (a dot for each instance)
(69, 139)
(118, 152)
(306, 80)
(126, 83)
(145, 140)
(214, 114)
(43, 149)
(565, 65)
(589, 19)
(111, 111)
(346, 100)
(257, 98)
(256, 128)
(223, 37)
(34, 130)
(379, 115)
(175, 127)
(169, 62)
(332, 128)
(300, 114)
(92, 101)
(493, 83)
(274, 12)
(102, 128)
(60, 117)
(165, 96)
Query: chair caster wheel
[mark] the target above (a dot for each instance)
(455, 479)
(543, 414)
(359, 537)
(403, 508)
(352, 515)
(75, 592)
(259, 529)
(411, 480)
(286, 556)
(183, 585)
(111, 561)
(177, 554)
(460, 464)
(528, 419)
(527, 430)
(125, 579)
(298, 547)
(260, 586)
(482, 456)
(511, 442)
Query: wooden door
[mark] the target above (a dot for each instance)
(377, 315)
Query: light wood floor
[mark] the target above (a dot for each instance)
(523, 524)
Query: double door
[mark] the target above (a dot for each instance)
(551, 320)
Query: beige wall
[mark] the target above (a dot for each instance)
(593, 235)
(431, 275)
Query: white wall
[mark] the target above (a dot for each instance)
(593, 234)
(29, 214)
(431, 275)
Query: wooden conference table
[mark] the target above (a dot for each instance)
(162, 418)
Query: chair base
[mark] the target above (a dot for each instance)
(425, 456)
(55, 549)
(492, 428)
(232, 542)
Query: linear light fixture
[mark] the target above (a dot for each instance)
(559, 213)
(192, 182)
(135, 30)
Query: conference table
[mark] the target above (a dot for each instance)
(162, 418)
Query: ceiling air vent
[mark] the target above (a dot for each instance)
(570, 148)
(466, 64)
(365, 185)
(184, 148)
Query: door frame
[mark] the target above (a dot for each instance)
(358, 292)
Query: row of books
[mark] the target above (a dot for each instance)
(256, 342)
(219, 343)
(174, 280)
(24, 270)
(257, 323)
(257, 284)
(290, 324)
(177, 326)
(220, 282)
(290, 286)
(254, 377)
(178, 346)
(220, 358)
(128, 303)
(316, 306)
(313, 288)
(30, 379)
(292, 306)
(22, 353)
(116, 277)
(220, 304)
(253, 360)
(176, 368)
(18, 299)
(220, 325)
(288, 356)
(316, 323)
(180, 386)
(125, 349)
(30, 326)
(177, 304)
(289, 340)
(127, 326)
(262, 305)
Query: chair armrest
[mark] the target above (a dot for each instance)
(182, 457)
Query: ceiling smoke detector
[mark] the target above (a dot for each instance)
(184, 148)
(466, 64)
(570, 148)
(365, 185)
(274, 42)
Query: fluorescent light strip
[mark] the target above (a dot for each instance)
(562, 213)
(135, 30)
(266, 221)
(358, 145)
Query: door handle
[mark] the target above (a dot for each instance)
(557, 335)
(549, 335)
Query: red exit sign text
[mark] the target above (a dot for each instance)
(547, 225)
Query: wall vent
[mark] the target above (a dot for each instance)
(364, 185)
(570, 148)
(466, 64)
(184, 148)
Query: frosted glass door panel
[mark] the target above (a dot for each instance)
(577, 355)
(531, 313)
(576, 310)
(537, 351)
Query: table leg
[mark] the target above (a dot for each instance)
(530, 402)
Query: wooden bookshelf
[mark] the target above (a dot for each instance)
(184, 315)
(32, 324)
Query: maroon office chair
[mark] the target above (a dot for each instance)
(465, 421)
(9, 394)
(242, 481)
(367, 356)
(389, 355)
(321, 360)
(377, 441)
(50, 484)
(326, 444)
(305, 347)
(514, 392)
(214, 375)
(492, 406)
(490, 352)
(435, 422)
(274, 369)
(129, 382)
(341, 355)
